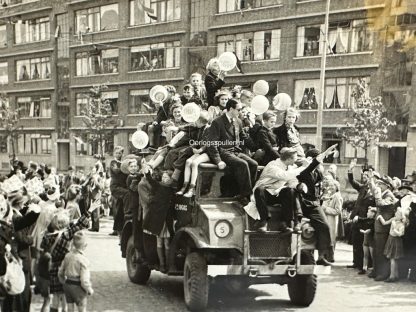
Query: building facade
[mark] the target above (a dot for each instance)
(67, 47)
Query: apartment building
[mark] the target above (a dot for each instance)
(132, 45)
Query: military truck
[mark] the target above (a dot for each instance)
(213, 244)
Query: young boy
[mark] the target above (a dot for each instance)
(74, 274)
(200, 93)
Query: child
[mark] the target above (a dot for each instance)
(187, 94)
(57, 241)
(200, 92)
(220, 100)
(367, 228)
(394, 245)
(197, 156)
(74, 274)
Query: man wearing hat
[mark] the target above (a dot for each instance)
(364, 200)
(386, 204)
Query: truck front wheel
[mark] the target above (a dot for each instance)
(302, 288)
(195, 282)
(138, 272)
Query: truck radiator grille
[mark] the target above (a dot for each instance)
(269, 246)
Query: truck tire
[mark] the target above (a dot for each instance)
(138, 273)
(302, 288)
(195, 282)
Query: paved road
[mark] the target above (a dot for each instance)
(343, 290)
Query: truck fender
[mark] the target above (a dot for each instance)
(125, 235)
(196, 235)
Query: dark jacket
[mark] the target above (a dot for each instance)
(364, 199)
(118, 178)
(311, 178)
(221, 131)
(212, 85)
(266, 140)
(282, 139)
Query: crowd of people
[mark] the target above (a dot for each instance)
(43, 213)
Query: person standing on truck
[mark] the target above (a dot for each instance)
(223, 148)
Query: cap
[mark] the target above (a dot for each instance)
(313, 152)
(70, 168)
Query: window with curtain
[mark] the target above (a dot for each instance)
(235, 5)
(3, 36)
(84, 145)
(308, 40)
(260, 45)
(361, 36)
(34, 107)
(139, 102)
(307, 94)
(33, 69)
(338, 33)
(32, 30)
(336, 93)
(34, 144)
(154, 11)
(97, 19)
(155, 56)
(4, 75)
(112, 98)
(97, 62)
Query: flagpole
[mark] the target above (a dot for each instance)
(321, 103)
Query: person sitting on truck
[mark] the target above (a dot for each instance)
(223, 148)
(311, 206)
(276, 185)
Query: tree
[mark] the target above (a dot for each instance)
(9, 120)
(369, 124)
(98, 118)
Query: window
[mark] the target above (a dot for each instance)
(4, 76)
(97, 62)
(97, 19)
(81, 103)
(154, 56)
(338, 34)
(235, 5)
(33, 69)
(139, 102)
(309, 40)
(32, 30)
(34, 107)
(260, 45)
(112, 98)
(34, 144)
(338, 93)
(3, 36)
(86, 145)
(361, 37)
(154, 11)
(3, 144)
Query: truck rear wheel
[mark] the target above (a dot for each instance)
(302, 288)
(195, 282)
(138, 273)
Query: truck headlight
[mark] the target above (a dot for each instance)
(307, 231)
(223, 228)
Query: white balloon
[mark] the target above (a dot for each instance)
(261, 87)
(158, 93)
(227, 61)
(139, 139)
(282, 101)
(259, 104)
(191, 112)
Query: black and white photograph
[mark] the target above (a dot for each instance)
(207, 155)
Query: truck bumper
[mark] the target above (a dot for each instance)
(267, 270)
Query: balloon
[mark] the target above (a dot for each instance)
(191, 112)
(140, 139)
(261, 87)
(158, 93)
(259, 104)
(227, 61)
(282, 101)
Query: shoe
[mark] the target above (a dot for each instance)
(323, 262)
(391, 280)
(380, 278)
(362, 272)
(92, 230)
(372, 275)
(352, 266)
(260, 226)
(182, 190)
(242, 200)
(190, 193)
(114, 233)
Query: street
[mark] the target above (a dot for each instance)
(343, 290)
